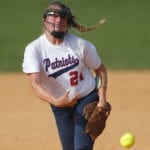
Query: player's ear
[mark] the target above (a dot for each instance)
(44, 22)
(44, 16)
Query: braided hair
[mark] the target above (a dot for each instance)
(71, 18)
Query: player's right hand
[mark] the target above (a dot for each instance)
(65, 101)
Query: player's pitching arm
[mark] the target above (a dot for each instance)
(102, 74)
(44, 95)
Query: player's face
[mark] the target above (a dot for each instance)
(57, 20)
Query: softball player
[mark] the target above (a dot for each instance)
(58, 66)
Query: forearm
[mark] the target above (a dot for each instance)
(39, 91)
(102, 74)
(43, 94)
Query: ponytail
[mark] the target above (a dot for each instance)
(82, 28)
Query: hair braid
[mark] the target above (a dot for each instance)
(82, 28)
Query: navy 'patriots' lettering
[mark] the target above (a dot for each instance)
(65, 64)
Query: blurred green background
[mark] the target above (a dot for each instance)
(123, 42)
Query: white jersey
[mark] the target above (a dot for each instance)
(62, 67)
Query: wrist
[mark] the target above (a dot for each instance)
(101, 104)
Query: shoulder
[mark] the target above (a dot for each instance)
(35, 44)
(79, 41)
(75, 38)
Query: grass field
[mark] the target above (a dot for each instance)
(123, 42)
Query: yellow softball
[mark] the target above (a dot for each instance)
(127, 140)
